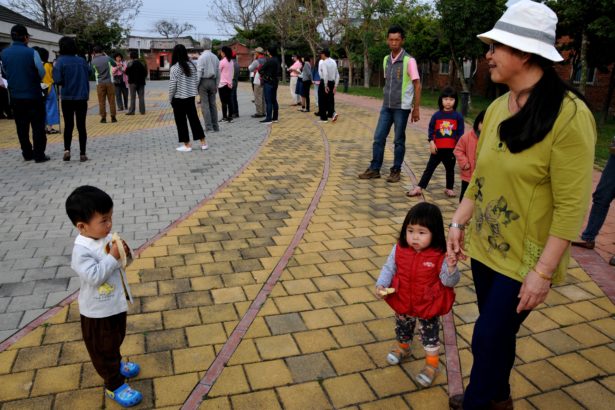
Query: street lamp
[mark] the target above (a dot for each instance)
(139, 48)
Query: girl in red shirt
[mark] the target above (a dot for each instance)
(417, 282)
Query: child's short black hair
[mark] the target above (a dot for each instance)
(429, 216)
(479, 118)
(448, 92)
(85, 201)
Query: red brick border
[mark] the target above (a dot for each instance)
(215, 370)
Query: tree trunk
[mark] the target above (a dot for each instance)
(609, 96)
(45, 12)
(459, 69)
(366, 70)
(283, 62)
(347, 49)
(584, 46)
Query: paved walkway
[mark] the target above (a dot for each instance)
(261, 295)
(135, 161)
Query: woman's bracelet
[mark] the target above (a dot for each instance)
(543, 275)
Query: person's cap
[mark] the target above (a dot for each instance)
(20, 30)
(259, 50)
(527, 26)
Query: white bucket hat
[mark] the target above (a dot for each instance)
(527, 26)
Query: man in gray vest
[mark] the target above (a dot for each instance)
(209, 74)
(402, 96)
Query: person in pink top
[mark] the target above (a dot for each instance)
(226, 82)
(295, 71)
(465, 152)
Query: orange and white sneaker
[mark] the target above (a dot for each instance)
(397, 354)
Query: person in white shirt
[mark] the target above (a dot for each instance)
(103, 292)
(329, 79)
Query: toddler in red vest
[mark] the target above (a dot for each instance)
(417, 282)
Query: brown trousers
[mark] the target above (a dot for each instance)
(106, 90)
(103, 338)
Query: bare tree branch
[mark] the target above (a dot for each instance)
(171, 28)
(244, 14)
(66, 15)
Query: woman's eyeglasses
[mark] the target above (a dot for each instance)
(493, 46)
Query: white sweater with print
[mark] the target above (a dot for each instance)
(101, 294)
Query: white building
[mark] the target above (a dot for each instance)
(41, 36)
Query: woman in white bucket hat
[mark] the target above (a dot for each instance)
(528, 195)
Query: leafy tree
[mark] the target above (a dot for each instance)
(460, 22)
(591, 26)
(309, 17)
(282, 17)
(373, 16)
(171, 28)
(335, 24)
(422, 30)
(108, 36)
(263, 35)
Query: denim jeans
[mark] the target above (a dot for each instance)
(388, 117)
(271, 101)
(603, 195)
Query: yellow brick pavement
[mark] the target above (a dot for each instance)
(321, 338)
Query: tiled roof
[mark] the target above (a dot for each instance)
(11, 16)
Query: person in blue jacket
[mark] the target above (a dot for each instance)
(23, 70)
(72, 74)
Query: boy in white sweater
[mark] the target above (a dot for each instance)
(103, 292)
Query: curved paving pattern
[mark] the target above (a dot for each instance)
(151, 184)
(320, 338)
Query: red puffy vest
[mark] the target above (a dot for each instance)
(418, 289)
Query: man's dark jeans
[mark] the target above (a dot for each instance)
(271, 101)
(30, 113)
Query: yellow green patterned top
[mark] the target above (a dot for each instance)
(520, 199)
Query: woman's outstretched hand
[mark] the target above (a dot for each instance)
(454, 244)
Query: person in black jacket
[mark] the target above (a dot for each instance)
(270, 73)
(137, 73)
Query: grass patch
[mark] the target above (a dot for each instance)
(477, 104)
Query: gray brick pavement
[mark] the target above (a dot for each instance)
(151, 184)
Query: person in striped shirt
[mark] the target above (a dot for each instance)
(183, 88)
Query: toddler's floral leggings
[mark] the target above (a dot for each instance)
(429, 329)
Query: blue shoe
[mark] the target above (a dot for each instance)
(125, 396)
(129, 369)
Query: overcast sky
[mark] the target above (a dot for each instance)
(195, 12)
